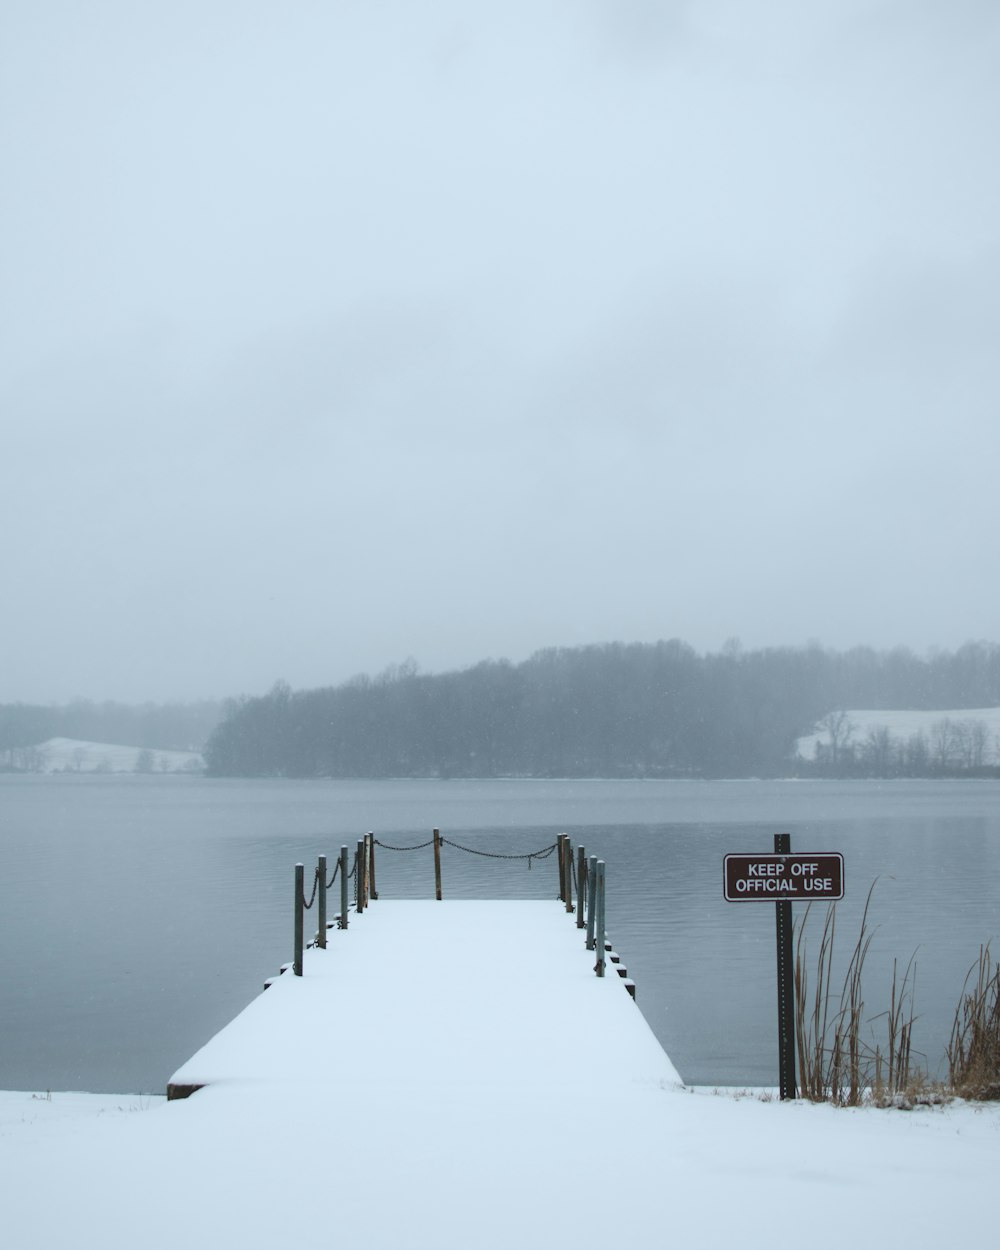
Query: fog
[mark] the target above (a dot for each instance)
(336, 333)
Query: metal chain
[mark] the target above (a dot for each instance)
(312, 897)
(544, 853)
(354, 870)
(419, 847)
(329, 884)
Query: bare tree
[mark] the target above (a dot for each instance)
(841, 729)
(917, 753)
(144, 761)
(944, 742)
(878, 750)
(977, 743)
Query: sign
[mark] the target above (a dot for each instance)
(783, 878)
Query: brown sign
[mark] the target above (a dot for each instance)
(775, 878)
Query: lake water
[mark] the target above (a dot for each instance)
(139, 914)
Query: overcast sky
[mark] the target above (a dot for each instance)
(334, 332)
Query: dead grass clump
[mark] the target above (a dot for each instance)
(974, 1049)
(836, 1062)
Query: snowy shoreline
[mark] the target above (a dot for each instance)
(79, 1167)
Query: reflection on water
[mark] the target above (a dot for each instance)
(138, 915)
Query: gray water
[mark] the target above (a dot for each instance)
(139, 914)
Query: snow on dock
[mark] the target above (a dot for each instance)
(464, 993)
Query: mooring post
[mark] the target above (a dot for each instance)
(437, 864)
(600, 937)
(300, 911)
(343, 887)
(591, 899)
(581, 884)
(371, 864)
(786, 983)
(568, 853)
(321, 897)
(359, 877)
(562, 867)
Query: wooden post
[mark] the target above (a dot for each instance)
(300, 874)
(359, 879)
(581, 884)
(562, 866)
(371, 864)
(321, 903)
(568, 853)
(600, 920)
(591, 900)
(343, 887)
(437, 865)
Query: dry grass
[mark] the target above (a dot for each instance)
(836, 1062)
(893, 1075)
(974, 1049)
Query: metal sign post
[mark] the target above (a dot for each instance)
(781, 878)
(786, 983)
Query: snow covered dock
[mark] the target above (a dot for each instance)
(420, 996)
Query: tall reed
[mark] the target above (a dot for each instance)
(836, 1063)
(974, 1049)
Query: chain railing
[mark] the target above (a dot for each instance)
(581, 889)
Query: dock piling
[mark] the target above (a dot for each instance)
(437, 865)
(581, 884)
(359, 877)
(591, 900)
(343, 887)
(321, 919)
(561, 858)
(300, 874)
(599, 920)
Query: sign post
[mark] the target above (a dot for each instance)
(780, 878)
(786, 984)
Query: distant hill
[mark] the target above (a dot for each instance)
(73, 755)
(156, 726)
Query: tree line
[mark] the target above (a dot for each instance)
(610, 710)
(950, 746)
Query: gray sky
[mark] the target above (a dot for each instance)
(333, 333)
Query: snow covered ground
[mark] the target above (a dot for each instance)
(904, 725)
(59, 755)
(34, 1118)
(454, 1075)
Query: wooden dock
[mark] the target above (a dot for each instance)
(462, 993)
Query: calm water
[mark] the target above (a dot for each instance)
(140, 914)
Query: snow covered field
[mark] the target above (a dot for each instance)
(454, 1075)
(59, 755)
(262, 1170)
(904, 725)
